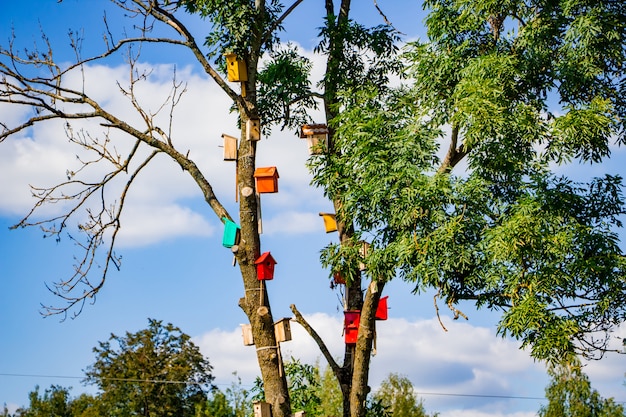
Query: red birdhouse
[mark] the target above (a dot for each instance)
(381, 310)
(266, 180)
(339, 279)
(351, 326)
(265, 267)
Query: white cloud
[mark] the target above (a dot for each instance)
(150, 224)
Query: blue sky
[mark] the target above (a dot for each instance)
(175, 268)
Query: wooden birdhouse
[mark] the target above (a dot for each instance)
(230, 147)
(265, 266)
(316, 136)
(330, 222)
(381, 309)
(282, 329)
(352, 319)
(364, 250)
(262, 409)
(253, 129)
(246, 332)
(266, 180)
(231, 233)
(236, 68)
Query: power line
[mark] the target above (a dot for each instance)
(157, 381)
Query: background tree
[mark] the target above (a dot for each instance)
(157, 371)
(570, 394)
(55, 401)
(397, 395)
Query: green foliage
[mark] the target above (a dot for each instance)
(235, 402)
(304, 386)
(357, 55)
(500, 80)
(155, 371)
(284, 92)
(237, 25)
(55, 401)
(397, 397)
(570, 394)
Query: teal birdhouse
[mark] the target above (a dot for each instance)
(231, 233)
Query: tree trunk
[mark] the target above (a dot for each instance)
(362, 353)
(255, 302)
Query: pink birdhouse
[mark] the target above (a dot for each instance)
(265, 267)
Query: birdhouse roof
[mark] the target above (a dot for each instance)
(265, 257)
(266, 172)
(314, 129)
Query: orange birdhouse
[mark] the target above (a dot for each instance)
(236, 68)
(352, 319)
(266, 180)
(381, 310)
(265, 267)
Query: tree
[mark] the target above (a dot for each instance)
(396, 393)
(55, 401)
(570, 394)
(278, 94)
(507, 232)
(157, 371)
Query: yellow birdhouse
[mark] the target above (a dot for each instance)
(282, 329)
(236, 68)
(316, 136)
(253, 129)
(330, 222)
(230, 147)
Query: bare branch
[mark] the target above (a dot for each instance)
(320, 343)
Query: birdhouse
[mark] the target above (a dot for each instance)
(236, 68)
(230, 147)
(262, 409)
(351, 326)
(231, 233)
(253, 129)
(316, 136)
(246, 332)
(339, 279)
(364, 250)
(265, 267)
(330, 222)
(381, 309)
(282, 329)
(266, 180)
